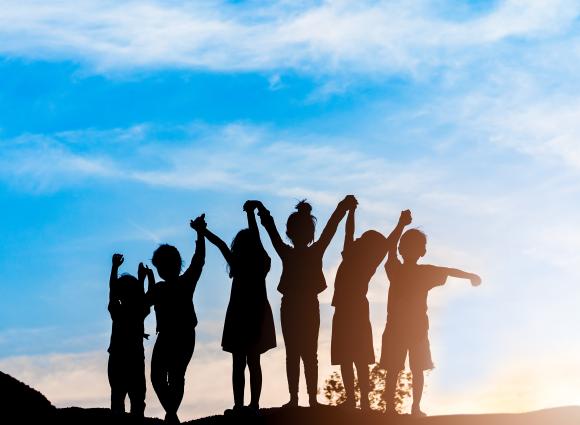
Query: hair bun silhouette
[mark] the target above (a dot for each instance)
(303, 207)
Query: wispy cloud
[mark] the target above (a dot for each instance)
(327, 37)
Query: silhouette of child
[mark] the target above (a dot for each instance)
(352, 338)
(176, 320)
(249, 326)
(407, 322)
(128, 308)
(301, 282)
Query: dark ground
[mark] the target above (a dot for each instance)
(21, 404)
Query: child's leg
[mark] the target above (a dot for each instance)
(159, 371)
(116, 381)
(362, 372)
(310, 351)
(238, 378)
(347, 372)
(419, 360)
(137, 387)
(255, 379)
(418, 383)
(291, 339)
(390, 389)
(176, 375)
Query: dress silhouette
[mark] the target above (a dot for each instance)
(301, 282)
(176, 320)
(352, 337)
(128, 309)
(249, 325)
(407, 326)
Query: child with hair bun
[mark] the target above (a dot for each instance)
(301, 282)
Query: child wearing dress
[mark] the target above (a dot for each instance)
(407, 325)
(249, 325)
(128, 309)
(176, 320)
(352, 337)
(301, 282)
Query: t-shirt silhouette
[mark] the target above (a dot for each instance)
(408, 289)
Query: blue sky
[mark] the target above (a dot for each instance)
(119, 121)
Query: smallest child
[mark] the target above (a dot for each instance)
(128, 309)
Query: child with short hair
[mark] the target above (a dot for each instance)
(128, 309)
(301, 281)
(176, 320)
(407, 325)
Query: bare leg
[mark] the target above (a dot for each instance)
(159, 370)
(418, 383)
(347, 373)
(238, 378)
(255, 380)
(390, 388)
(362, 372)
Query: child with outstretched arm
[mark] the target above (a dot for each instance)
(407, 325)
(128, 308)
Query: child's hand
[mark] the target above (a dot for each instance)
(141, 272)
(348, 203)
(199, 223)
(251, 205)
(149, 273)
(117, 260)
(475, 280)
(352, 202)
(405, 218)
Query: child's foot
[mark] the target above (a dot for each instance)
(312, 401)
(172, 418)
(365, 405)
(292, 403)
(417, 412)
(348, 404)
(254, 409)
(236, 410)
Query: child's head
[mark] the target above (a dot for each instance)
(128, 288)
(300, 225)
(245, 244)
(413, 245)
(167, 261)
(246, 247)
(372, 246)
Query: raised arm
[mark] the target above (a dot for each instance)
(149, 295)
(327, 234)
(114, 302)
(393, 238)
(220, 244)
(268, 223)
(349, 229)
(193, 272)
(142, 273)
(249, 207)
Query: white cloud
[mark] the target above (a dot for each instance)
(328, 37)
